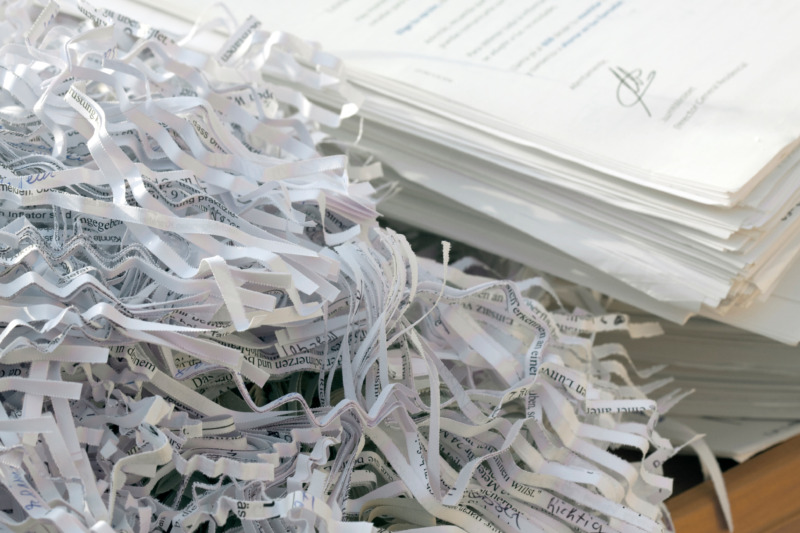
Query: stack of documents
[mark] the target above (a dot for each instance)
(648, 152)
(746, 388)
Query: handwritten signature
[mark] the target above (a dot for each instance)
(632, 87)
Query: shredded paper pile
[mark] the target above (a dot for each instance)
(205, 329)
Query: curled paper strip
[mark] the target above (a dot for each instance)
(204, 328)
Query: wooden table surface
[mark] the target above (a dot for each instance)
(764, 493)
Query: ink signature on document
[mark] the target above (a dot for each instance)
(633, 85)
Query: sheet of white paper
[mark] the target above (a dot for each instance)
(607, 83)
(740, 439)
